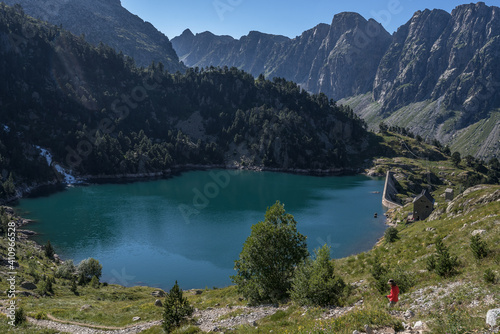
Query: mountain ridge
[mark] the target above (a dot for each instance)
(108, 22)
(447, 60)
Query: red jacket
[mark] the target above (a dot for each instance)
(393, 297)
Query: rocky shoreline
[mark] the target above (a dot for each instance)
(26, 190)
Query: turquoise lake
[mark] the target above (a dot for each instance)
(192, 227)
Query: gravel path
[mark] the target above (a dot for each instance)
(79, 328)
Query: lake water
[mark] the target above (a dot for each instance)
(192, 227)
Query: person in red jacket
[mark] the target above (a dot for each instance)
(393, 296)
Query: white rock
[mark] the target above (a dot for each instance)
(492, 316)
(409, 314)
(418, 325)
(478, 232)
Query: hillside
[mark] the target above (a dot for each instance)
(454, 304)
(108, 22)
(92, 113)
(436, 75)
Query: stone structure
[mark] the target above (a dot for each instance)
(448, 194)
(423, 205)
(389, 197)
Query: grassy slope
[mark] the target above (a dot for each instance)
(463, 299)
(431, 120)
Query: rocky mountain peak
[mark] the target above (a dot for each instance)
(187, 33)
(347, 20)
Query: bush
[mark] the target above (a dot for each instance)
(41, 316)
(49, 251)
(391, 234)
(442, 262)
(89, 268)
(66, 270)
(19, 316)
(177, 309)
(478, 247)
(270, 254)
(315, 282)
(73, 287)
(94, 282)
(489, 276)
(45, 286)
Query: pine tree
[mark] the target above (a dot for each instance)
(478, 247)
(177, 308)
(49, 250)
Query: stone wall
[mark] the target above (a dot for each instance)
(389, 197)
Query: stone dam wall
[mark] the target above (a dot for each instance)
(390, 192)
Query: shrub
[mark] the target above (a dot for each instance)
(315, 283)
(41, 316)
(442, 262)
(49, 250)
(45, 286)
(73, 287)
(66, 270)
(176, 309)
(89, 268)
(489, 276)
(478, 247)
(270, 254)
(94, 282)
(391, 234)
(377, 269)
(19, 316)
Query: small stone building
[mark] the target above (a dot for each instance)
(448, 194)
(423, 205)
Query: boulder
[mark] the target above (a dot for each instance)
(158, 293)
(368, 330)
(136, 318)
(26, 294)
(492, 317)
(478, 232)
(28, 286)
(158, 303)
(85, 307)
(409, 314)
(419, 325)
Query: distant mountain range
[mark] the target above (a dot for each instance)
(108, 22)
(438, 75)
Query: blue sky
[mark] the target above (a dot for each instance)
(289, 18)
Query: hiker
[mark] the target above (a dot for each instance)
(393, 296)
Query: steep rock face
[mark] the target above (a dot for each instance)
(348, 58)
(192, 50)
(108, 22)
(436, 56)
(340, 59)
(251, 52)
